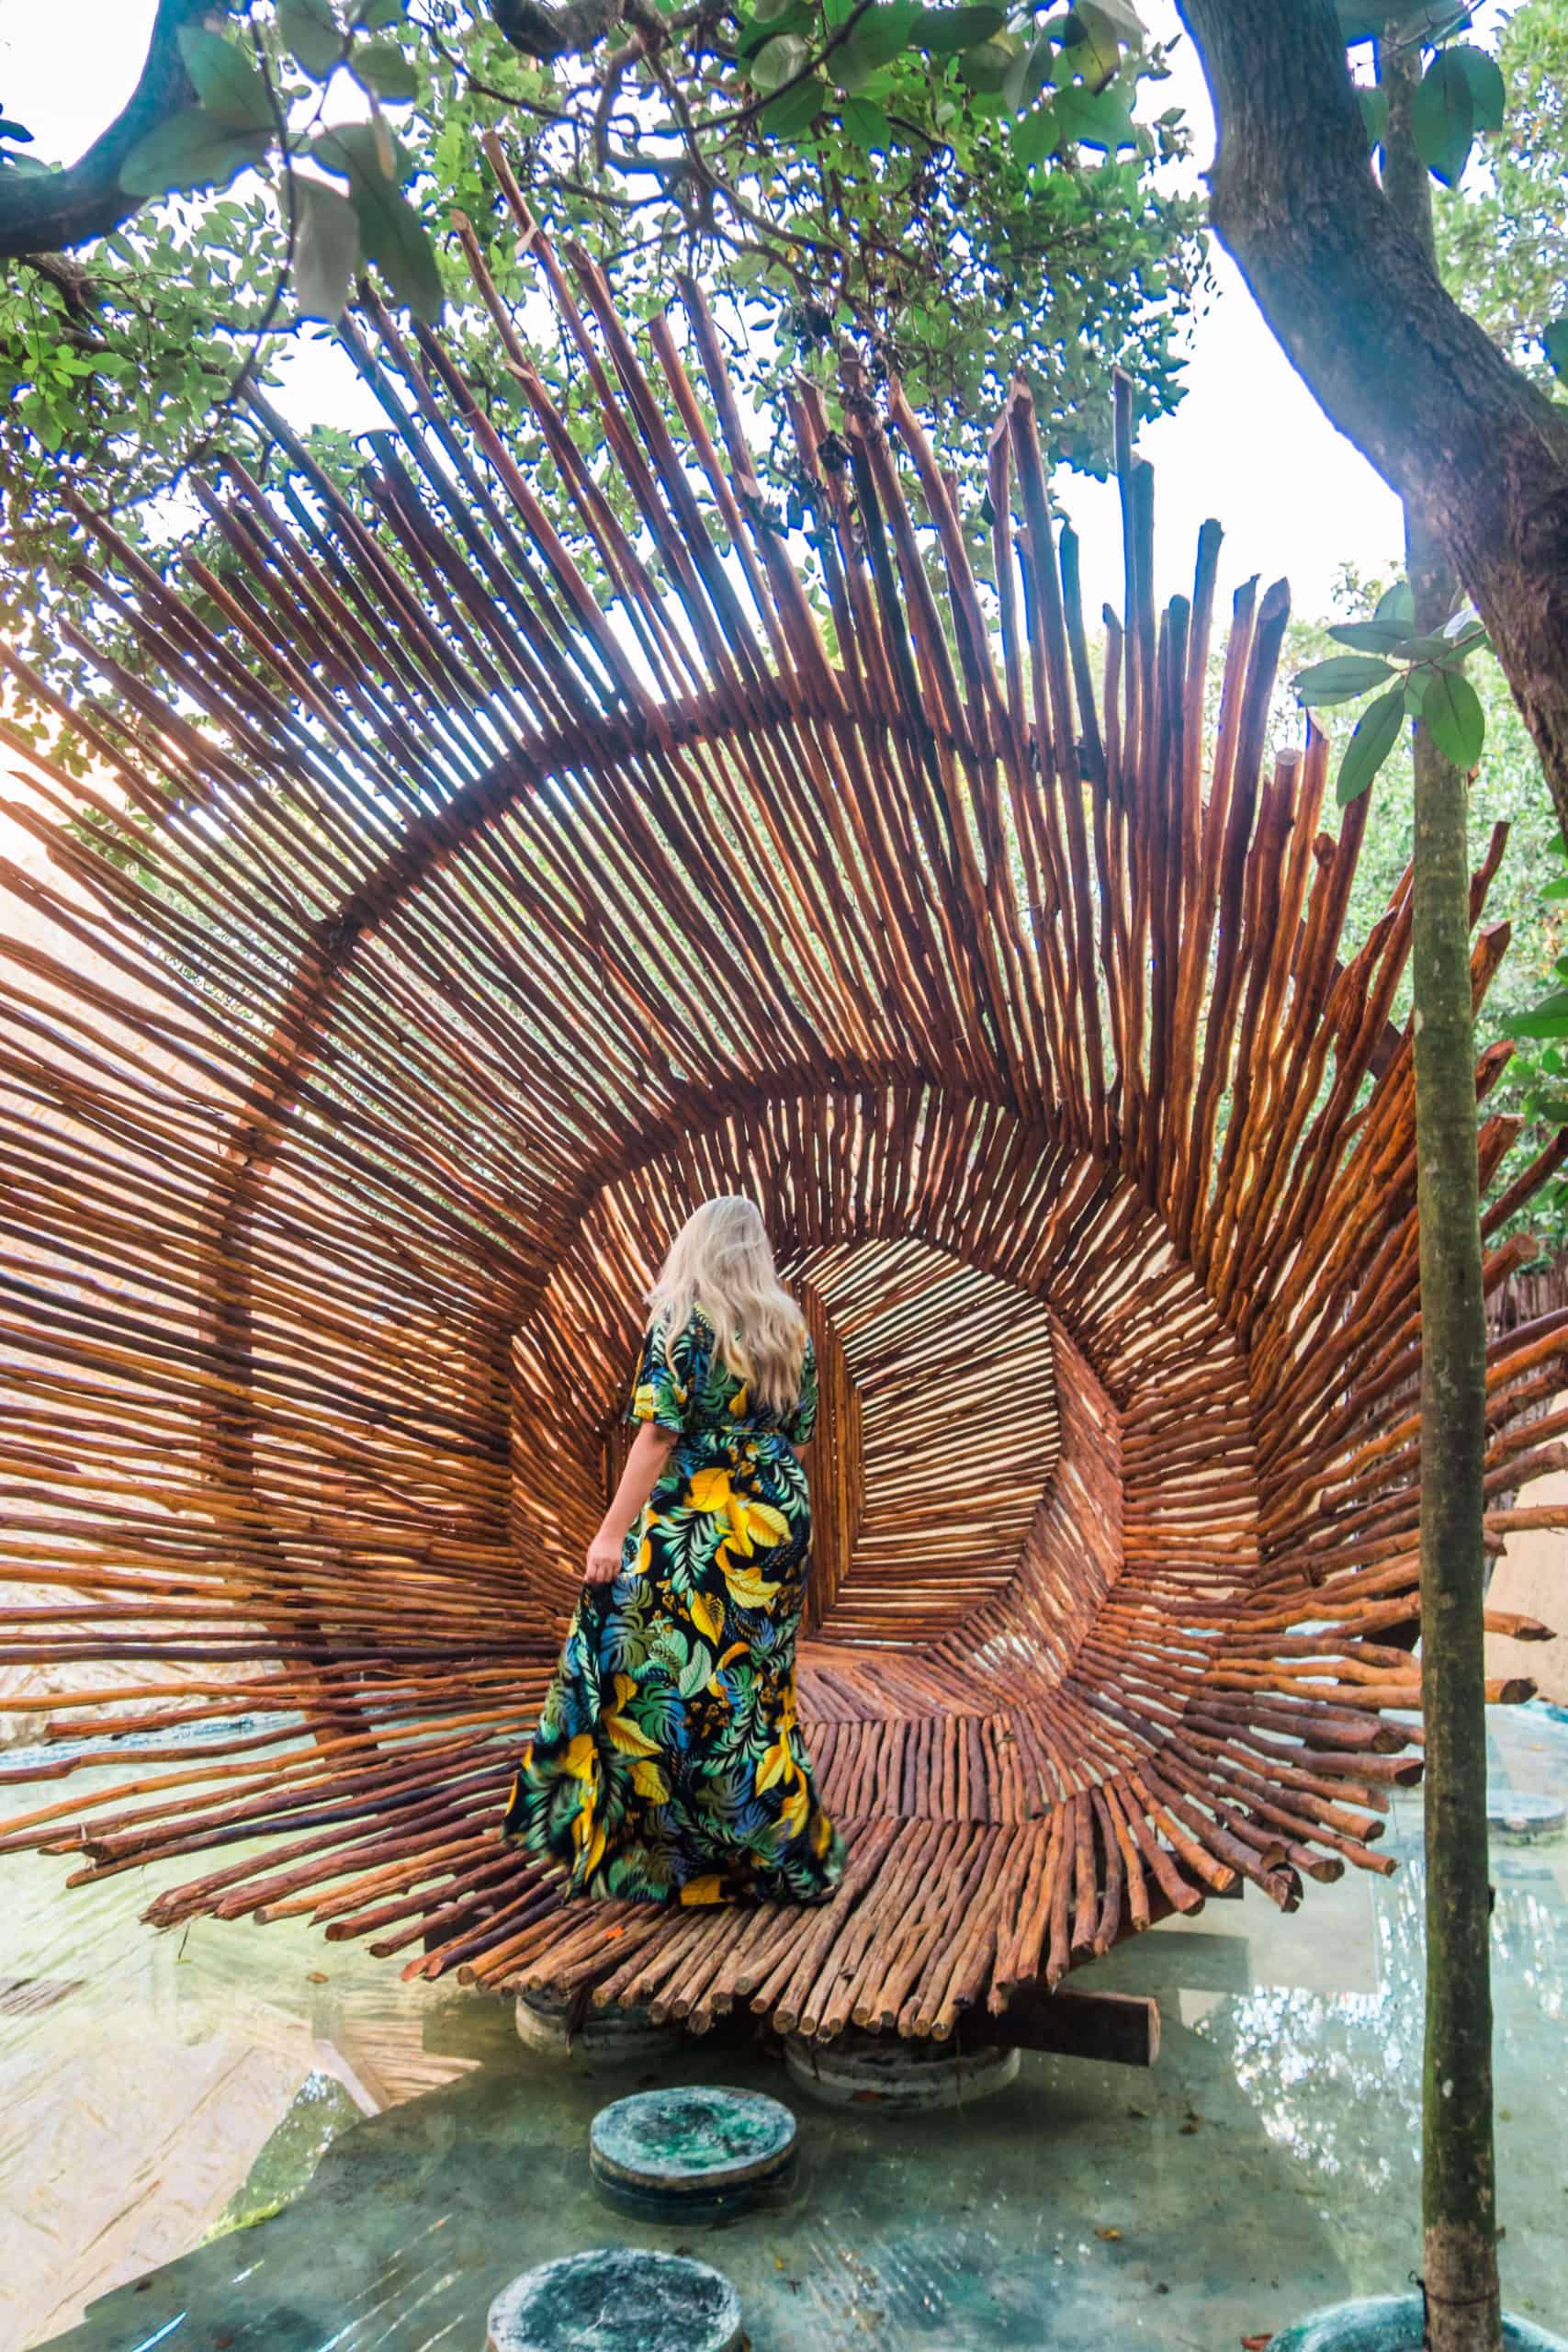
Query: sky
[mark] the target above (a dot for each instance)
(1248, 441)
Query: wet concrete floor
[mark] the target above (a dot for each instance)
(232, 2137)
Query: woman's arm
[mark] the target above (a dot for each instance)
(645, 1466)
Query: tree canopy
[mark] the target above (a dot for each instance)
(959, 192)
(1504, 244)
(1475, 447)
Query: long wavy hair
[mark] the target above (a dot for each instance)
(721, 1263)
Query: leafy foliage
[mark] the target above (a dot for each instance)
(1504, 251)
(1504, 246)
(959, 191)
(1431, 685)
(1461, 93)
(1529, 891)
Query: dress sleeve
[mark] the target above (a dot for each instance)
(662, 1393)
(801, 1418)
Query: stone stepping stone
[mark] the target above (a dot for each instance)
(693, 2154)
(618, 2299)
(555, 2024)
(901, 2076)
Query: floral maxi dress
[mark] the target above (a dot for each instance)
(667, 1765)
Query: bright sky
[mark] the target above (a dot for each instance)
(1248, 440)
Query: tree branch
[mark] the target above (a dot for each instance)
(541, 30)
(50, 211)
(1471, 445)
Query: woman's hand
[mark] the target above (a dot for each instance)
(603, 1557)
(649, 1458)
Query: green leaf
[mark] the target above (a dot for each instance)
(1487, 97)
(1397, 604)
(779, 60)
(985, 67)
(1370, 636)
(755, 37)
(382, 67)
(1464, 632)
(1093, 50)
(1357, 22)
(1030, 69)
(1366, 19)
(1452, 715)
(1548, 1019)
(326, 249)
(1340, 680)
(1036, 135)
(797, 110)
(1097, 32)
(1374, 114)
(391, 231)
(1554, 340)
(864, 123)
(768, 12)
(1442, 119)
(226, 81)
(1118, 16)
(189, 150)
(884, 32)
(1094, 118)
(1374, 737)
(1438, 646)
(377, 15)
(311, 34)
(943, 32)
(1557, 889)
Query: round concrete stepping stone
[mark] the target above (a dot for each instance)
(902, 2076)
(616, 2298)
(1391, 2323)
(1523, 1817)
(695, 2153)
(609, 2037)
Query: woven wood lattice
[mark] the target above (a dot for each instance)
(501, 899)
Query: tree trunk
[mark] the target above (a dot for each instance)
(1476, 452)
(42, 211)
(1458, 2176)
(1459, 2180)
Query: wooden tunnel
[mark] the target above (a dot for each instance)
(466, 884)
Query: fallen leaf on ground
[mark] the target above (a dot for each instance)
(1108, 2233)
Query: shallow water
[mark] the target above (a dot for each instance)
(367, 2162)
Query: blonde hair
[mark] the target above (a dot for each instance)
(721, 1265)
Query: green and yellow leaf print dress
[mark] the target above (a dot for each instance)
(668, 1764)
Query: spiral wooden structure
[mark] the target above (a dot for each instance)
(506, 886)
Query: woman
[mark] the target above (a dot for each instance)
(668, 1764)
